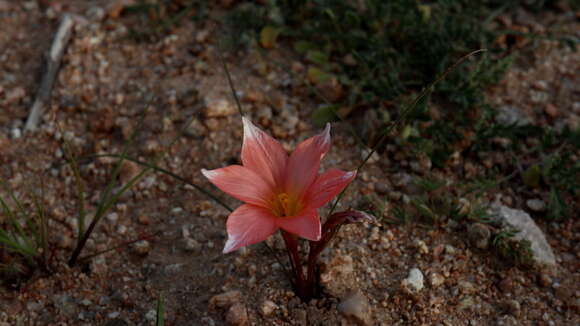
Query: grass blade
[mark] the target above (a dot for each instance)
(169, 173)
(23, 243)
(106, 201)
(160, 320)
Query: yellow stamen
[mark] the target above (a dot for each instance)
(284, 205)
(284, 201)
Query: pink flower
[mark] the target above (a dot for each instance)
(279, 191)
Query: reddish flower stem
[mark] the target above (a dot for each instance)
(312, 272)
(305, 288)
(292, 247)
(301, 286)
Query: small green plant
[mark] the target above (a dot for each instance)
(562, 174)
(518, 252)
(385, 52)
(24, 233)
(24, 236)
(401, 216)
(241, 26)
(379, 207)
(439, 201)
(157, 18)
(480, 213)
(435, 201)
(108, 197)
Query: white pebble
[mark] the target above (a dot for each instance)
(414, 281)
(16, 133)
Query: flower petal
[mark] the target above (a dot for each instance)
(305, 225)
(263, 154)
(247, 225)
(327, 186)
(241, 183)
(304, 162)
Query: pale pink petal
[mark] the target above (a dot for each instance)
(247, 225)
(327, 186)
(241, 183)
(305, 225)
(304, 162)
(263, 154)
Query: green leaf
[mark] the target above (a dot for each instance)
(425, 11)
(303, 46)
(324, 114)
(557, 207)
(318, 76)
(409, 131)
(317, 56)
(532, 176)
(268, 36)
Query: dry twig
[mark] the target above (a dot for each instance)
(53, 63)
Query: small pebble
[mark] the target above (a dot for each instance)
(513, 308)
(16, 133)
(536, 205)
(129, 170)
(355, 306)
(479, 235)
(15, 95)
(152, 146)
(551, 110)
(219, 108)
(151, 315)
(381, 187)
(121, 229)
(450, 250)
(191, 244)
(402, 180)
(142, 247)
(176, 210)
(545, 280)
(144, 219)
(464, 206)
(337, 278)
(113, 314)
(113, 217)
(466, 287)
(99, 265)
(437, 279)
(413, 282)
(237, 315)
(506, 285)
(421, 247)
(195, 129)
(267, 308)
(466, 303)
(96, 13)
(225, 299)
(64, 241)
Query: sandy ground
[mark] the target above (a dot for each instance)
(103, 90)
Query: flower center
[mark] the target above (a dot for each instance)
(283, 205)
